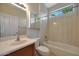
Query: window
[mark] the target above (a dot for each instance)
(62, 11)
(67, 9)
(58, 13)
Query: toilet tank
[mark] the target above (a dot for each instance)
(37, 42)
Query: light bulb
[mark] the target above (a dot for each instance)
(54, 23)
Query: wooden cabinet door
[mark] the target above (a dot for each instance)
(26, 51)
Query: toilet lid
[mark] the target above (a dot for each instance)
(43, 49)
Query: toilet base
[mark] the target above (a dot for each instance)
(43, 51)
(37, 53)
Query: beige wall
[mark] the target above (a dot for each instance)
(66, 29)
(12, 10)
(35, 8)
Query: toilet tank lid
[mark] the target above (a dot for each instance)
(43, 48)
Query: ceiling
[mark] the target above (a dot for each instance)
(48, 5)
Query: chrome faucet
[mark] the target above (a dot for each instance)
(18, 37)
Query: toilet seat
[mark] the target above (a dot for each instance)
(43, 50)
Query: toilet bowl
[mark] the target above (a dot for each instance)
(43, 50)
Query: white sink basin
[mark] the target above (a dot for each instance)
(18, 42)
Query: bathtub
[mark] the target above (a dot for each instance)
(61, 49)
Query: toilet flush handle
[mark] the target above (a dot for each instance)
(46, 38)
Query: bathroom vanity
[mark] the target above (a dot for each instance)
(26, 51)
(24, 47)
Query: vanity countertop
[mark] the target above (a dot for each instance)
(12, 45)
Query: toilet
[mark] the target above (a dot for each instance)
(42, 50)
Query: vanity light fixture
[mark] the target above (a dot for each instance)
(19, 5)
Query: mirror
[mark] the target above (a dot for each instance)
(12, 20)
